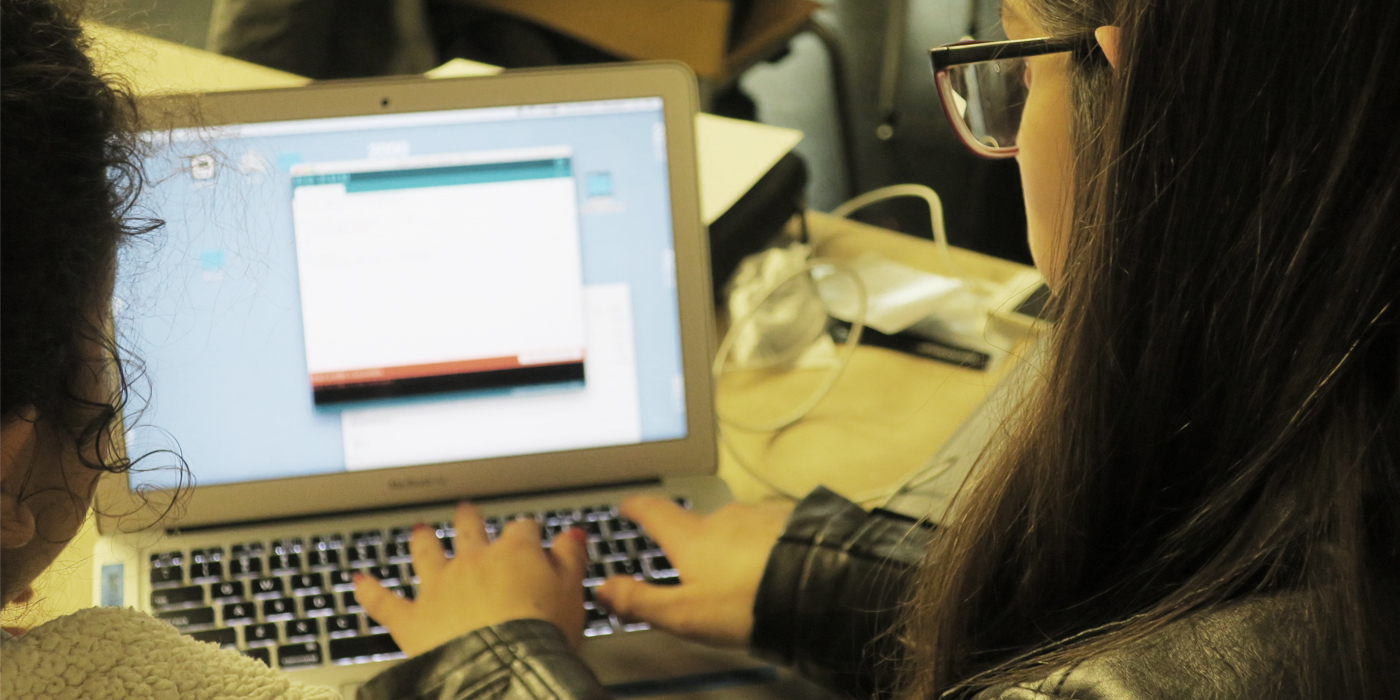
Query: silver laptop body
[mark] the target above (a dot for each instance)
(373, 299)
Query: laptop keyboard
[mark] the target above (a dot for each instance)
(291, 602)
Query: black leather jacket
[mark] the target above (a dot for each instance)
(827, 600)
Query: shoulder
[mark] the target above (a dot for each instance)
(118, 652)
(1245, 650)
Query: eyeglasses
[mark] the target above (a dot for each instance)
(984, 84)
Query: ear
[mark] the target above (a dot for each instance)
(16, 447)
(1109, 39)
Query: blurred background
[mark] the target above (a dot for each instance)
(896, 131)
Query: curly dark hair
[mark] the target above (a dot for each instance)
(70, 181)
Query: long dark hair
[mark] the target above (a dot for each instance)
(1220, 417)
(70, 182)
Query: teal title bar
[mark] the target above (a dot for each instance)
(443, 176)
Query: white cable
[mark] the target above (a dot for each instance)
(847, 351)
(935, 210)
(918, 477)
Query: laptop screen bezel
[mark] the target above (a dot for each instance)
(120, 509)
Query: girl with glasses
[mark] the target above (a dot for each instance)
(1197, 495)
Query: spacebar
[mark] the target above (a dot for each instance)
(359, 650)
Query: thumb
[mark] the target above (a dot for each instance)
(380, 603)
(636, 600)
(570, 552)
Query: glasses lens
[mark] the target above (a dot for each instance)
(989, 97)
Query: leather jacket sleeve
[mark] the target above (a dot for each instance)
(516, 660)
(830, 594)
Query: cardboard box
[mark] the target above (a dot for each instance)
(695, 32)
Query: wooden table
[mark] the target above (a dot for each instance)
(886, 415)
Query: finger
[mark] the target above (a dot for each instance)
(380, 603)
(570, 553)
(637, 600)
(521, 531)
(661, 518)
(471, 529)
(428, 557)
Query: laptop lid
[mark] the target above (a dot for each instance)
(388, 292)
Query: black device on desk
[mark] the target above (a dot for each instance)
(757, 218)
(1028, 309)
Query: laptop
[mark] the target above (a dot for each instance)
(372, 299)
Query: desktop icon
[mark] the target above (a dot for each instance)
(202, 167)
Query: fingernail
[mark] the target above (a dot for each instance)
(357, 577)
(419, 526)
(577, 534)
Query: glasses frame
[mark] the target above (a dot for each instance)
(965, 52)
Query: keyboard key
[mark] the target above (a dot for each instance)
(303, 629)
(246, 567)
(206, 565)
(167, 576)
(261, 654)
(622, 527)
(299, 655)
(313, 582)
(279, 609)
(609, 550)
(397, 552)
(342, 626)
(325, 551)
(286, 556)
(343, 580)
(225, 637)
(318, 605)
(373, 625)
(182, 597)
(626, 567)
(388, 574)
(190, 619)
(324, 559)
(360, 650)
(284, 563)
(239, 613)
(226, 591)
(592, 527)
(348, 601)
(266, 588)
(595, 575)
(647, 545)
(683, 502)
(362, 555)
(659, 566)
(405, 592)
(597, 621)
(261, 635)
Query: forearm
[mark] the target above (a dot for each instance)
(517, 660)
(831, 593)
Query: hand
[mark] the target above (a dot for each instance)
(720, 558)
(484, 584)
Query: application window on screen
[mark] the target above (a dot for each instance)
(446, 273)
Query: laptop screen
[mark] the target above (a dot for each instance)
(383, 291)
